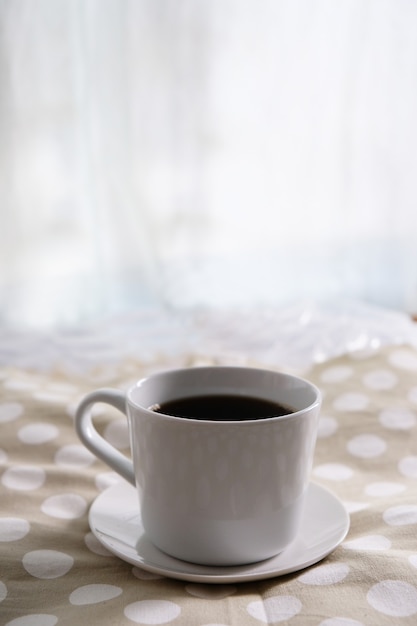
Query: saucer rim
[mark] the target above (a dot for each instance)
(208, 573)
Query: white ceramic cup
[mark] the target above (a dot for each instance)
(214, 492)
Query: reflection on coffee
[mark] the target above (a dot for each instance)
(222, 407)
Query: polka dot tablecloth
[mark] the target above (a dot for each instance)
(54, 571)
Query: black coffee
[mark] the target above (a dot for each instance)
(223, 407)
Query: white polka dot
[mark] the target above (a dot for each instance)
(380, 380)
(20, 385)
(412, 395)
(413, 560)
(47, 564)
(351, 401)
(13, 528)
(93, 594)
(408, 466)
(3, 591)
(117, 433)
(327, 427)
(24, 478)
(333, 471)
(384, 489)
(74, 455)
(366, 446)
(403, 359)
(274, 609)
(340, 621)
(401, 515)
(107, 479)
(152, 611)
(397, 418)
(325, 574)
(50, 397)
(63, 388)
(65, 506)
(393, 597)
(35, 619)
(355, 507)
(336, 374)
(368, 542)
(10, 411)
(35, 434)
(144, 575)
(210, 592)
(3, 456)
(95, 546)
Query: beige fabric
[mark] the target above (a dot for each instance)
(51, 567)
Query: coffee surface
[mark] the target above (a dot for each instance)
(223, 407)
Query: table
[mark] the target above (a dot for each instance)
(54, 571)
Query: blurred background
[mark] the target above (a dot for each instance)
(205, 153)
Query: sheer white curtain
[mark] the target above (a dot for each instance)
(205, 152)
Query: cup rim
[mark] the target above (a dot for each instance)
(225, 368)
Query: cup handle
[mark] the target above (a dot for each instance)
(94, 441)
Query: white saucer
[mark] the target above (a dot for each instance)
(115, 520)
